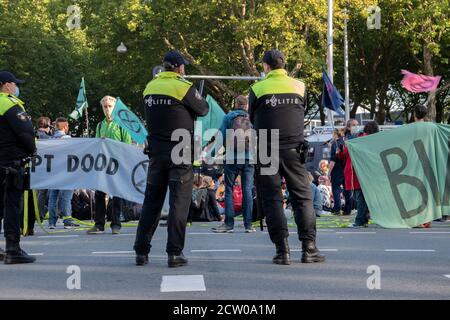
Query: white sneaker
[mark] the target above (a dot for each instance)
(250, 230)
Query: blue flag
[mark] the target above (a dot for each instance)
(82, 102)
(129, 121)
(213, 120)
(331, 97)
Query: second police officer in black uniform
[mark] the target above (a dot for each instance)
(278, 102)
(16, 143)
(171, 103)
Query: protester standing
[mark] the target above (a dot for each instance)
(237, 162)
(108, 129)
(63, 197)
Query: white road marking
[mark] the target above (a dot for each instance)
(35, 254)
(410, 250)
(356, 232)
(111, 252)
(183, 283)
(195, 233)
(427, 232)
(218, 250)
(447, 275)
(323, 250)
(65, 236)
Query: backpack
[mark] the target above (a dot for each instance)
(241, 123)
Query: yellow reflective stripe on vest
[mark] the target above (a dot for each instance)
(168, 84)
(9, 101)
(278, 82)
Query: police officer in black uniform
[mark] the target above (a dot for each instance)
(278, 102)
(16, 143)
(171, 103)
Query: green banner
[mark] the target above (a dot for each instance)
(129, 121)
(404, 173)
(213, 120)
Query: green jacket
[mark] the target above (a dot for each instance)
(112, 131)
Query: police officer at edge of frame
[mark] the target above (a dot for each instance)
(171, 103)
(17, 142)
(278, 102)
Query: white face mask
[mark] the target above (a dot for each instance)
(354, 131)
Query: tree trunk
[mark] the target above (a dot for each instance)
(428, 70)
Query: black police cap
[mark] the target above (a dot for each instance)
(6, 76)
(175, 58)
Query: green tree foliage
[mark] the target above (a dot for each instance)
(226, 37)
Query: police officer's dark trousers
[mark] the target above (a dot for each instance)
(296, 175)
(163, 173)
(11, 204)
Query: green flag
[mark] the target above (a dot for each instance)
(213, 120)
(82, 102)
(129, 121)
(404, 173)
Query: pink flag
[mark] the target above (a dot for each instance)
(418, 82)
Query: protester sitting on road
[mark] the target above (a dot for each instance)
(204, 206)
(352, 182)
(317, 197)
(108, 129)
(325, 190)
(64, 196)
(323, 167)
(82, 204)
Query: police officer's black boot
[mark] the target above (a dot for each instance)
(310, 253)
(2, 255)
(283, 255)
(17, 257)
(141, 259)
(176, 260)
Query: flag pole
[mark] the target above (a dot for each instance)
(346, 80)
(87, 122)
(330, 52)
(86, 109)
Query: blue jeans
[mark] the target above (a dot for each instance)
(362, 216)
(336, 183)
(65, 205)
(247, 175)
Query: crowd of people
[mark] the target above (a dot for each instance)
(171, 103)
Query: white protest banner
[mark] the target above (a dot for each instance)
(113, 167)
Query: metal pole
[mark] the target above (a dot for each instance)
(347, 89)
(87, 122)
(330, 51)
(202, 86)
(222, 77)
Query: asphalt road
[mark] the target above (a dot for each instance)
(413, 264)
